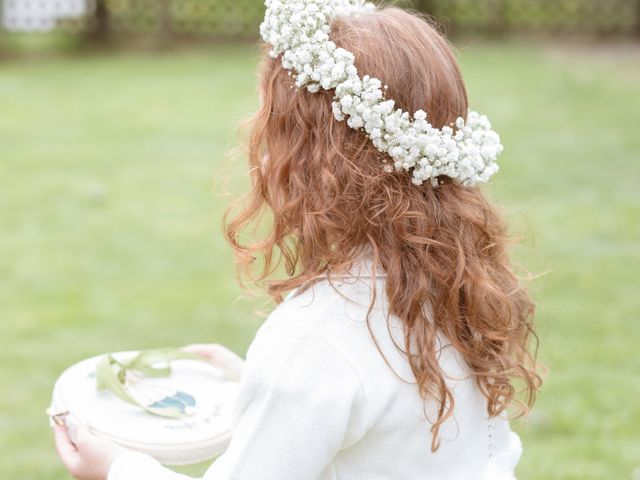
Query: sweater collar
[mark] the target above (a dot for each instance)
(361, 267)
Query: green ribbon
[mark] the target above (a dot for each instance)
(111, 374)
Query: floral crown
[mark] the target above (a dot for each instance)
(299, 31)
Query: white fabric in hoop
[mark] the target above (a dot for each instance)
(188, 440)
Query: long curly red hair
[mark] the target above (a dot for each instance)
(319, 195)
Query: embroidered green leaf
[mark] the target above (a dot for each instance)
(112, 374)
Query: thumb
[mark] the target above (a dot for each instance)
(81, 433)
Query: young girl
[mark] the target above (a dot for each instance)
(394, 353)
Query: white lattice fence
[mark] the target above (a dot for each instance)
(239, 18)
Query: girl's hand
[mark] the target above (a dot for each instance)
(229, 362)
(91, 456)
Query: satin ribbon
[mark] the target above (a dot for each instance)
(113, 375)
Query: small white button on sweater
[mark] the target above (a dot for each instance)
(318, 402)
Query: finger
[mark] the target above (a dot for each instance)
(205, 350)
(226, 360)
(63, 441)
(65, 448)
(229, 362)
(82, 434)
(217, 354)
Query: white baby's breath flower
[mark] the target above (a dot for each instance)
(298, 31)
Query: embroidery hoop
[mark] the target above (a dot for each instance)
(186, 440)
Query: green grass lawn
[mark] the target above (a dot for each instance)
(113, 170)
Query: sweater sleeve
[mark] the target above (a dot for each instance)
(299, 403)
(132, 465)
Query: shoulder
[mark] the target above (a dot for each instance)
(292, 331)
(293, 364)
(317, 332)
(298, 330)
(328, 312)
(328, 328)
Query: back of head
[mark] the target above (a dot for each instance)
(411, 57)
(326, 194)
(404, 51)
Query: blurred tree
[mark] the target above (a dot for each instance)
(498, 23)
(98, 31)
(165, 30)
(426, 6)
(3, 34)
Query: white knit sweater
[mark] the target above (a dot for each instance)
(318, 402)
